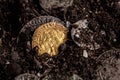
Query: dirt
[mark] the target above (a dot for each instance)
(103, 18)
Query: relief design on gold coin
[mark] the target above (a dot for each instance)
(48, 37)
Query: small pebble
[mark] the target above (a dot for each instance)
(77, 35)
(38, 74)
(85, 54)
(67, 24)
(114, 40)
(7, 62)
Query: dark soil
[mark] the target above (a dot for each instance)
(102, 15)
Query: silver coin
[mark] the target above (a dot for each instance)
(83, 36)
(50, 4)
(110, 65)
(26, 76)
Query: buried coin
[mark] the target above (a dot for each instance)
(25, 35)
(48, 37)
(26, 76)
(110, 65)
(51, 4)
(84, 37)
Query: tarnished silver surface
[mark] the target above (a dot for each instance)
(50, 4)
(83, 36)
(110, 65)
(26, 76)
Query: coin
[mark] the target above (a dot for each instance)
(84, 37)
(51, 4)
(110, 65)
(48, 37)
(25, 35)
(27, 76)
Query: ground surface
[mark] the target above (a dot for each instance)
(102, 15)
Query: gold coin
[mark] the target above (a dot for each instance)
(48, 37)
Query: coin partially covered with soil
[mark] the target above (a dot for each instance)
(84, 37)
(27, 76)
(51, 4)
(110, 65)
(46, 33)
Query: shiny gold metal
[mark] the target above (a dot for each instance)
(48, 37)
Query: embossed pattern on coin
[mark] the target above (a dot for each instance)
(110, 65)
(26, 33)
(83, 36)
(48, 37)
(49, 4)
(26, 76)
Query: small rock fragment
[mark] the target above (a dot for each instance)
(7, 62)
(85, 54)
(68, 24)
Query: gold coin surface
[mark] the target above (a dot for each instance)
(48, 37)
